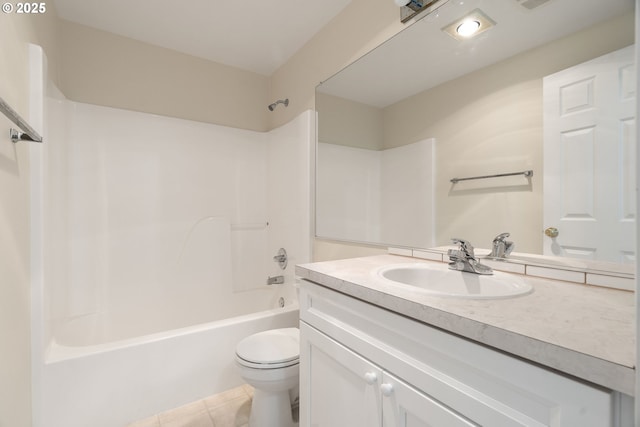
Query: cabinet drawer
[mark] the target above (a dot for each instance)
(487, 386)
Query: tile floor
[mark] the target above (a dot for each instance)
(227, 409)
(230, 408)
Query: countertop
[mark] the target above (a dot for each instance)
(581, 330)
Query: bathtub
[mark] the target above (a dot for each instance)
(100, 372)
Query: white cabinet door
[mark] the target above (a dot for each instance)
(337, 387)
(404, 406)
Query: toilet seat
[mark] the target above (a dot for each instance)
(276, 348)
(265, 366)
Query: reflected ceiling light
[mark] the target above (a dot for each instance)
(468, 28)
(470, 25)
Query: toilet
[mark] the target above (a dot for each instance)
(269, 361)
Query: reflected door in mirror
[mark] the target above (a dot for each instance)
(589, 152)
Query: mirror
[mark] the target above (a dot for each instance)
(396, 126)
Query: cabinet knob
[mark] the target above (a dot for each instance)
(370, 378)
(386, 389)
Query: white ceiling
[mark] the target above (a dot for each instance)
(254, 35)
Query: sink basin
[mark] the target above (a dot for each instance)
(439, 280)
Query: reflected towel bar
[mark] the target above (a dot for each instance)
(528, 174)
(28, 133)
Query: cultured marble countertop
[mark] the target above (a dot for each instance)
(581, 330)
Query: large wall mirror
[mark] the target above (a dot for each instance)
(549, 88)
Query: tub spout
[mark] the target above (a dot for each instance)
(278, 280)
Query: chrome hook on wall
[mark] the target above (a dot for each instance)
(281, 258)
(26, 132)
(16, 136)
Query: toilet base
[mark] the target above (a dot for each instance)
(271, 409)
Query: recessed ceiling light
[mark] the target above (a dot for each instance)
(470, 25)
(468, 28)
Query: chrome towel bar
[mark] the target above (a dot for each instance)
(528, 174)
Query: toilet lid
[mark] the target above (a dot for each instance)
(273, 346)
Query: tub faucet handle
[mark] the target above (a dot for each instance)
(281, 258)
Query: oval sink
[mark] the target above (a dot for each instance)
(439, 280)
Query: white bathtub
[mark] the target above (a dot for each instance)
(97, 375)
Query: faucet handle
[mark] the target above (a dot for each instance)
(501, 246)
(465, 246)
(501, 237)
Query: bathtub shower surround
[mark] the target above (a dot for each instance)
(114, 384)
(376, 195)
(159, 236)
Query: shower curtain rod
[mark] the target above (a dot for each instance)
(28, 133)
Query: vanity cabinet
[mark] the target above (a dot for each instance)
(346, 389)
(361, 365)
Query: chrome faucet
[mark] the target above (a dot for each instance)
(464, 259)
(501, 248)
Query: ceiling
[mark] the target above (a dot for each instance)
(254, 35)
(423, 56)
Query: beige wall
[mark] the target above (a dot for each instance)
(106, 69)
(361, 26)
(16, 31)
(430, 113)
(327, 250)
(15, 291)
(349, 123)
